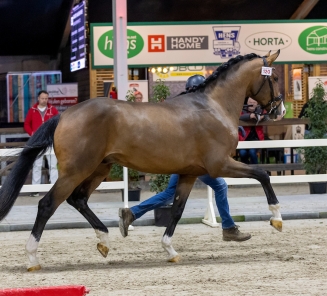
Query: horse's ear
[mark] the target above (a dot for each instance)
(273, 57)
(268, 54)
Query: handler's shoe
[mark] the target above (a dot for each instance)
(126, 219)
(233, 234)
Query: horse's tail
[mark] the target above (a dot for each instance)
(36, 145)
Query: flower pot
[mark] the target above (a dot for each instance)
(134, 194)
(162, 216)
(318, 187)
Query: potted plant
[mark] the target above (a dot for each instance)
(159, 182)
(130, 96)
(134, 191)
(160, 91)
(314, 159)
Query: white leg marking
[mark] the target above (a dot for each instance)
(103, 237)
(31, 249)
(166, 244)
(276, 213)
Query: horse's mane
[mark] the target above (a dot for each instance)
(222, 69)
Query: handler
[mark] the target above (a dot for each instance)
(230, 230)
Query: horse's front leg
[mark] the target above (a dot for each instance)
(183, 190)
(235, 169)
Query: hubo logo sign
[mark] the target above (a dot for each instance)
(314, 40)
(202, 43)
(135, 43)
(265, 41)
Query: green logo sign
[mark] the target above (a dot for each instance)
(314, 40)
(135, 43)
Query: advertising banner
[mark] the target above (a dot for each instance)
(22, 91)
(63, 95)
(206, 43)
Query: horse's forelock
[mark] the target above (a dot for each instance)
(223, 68)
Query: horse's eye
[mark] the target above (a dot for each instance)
(276, 79)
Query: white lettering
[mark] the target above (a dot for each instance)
(106, 44)
(131, 44)
(156, 43)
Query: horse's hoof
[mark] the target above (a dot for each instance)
(174, 259)
(34, 268)
(277, 224)
(104, 250)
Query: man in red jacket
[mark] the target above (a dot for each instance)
(36, 116)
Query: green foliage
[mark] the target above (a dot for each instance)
(116, 173)
(130, 97)
(315, 158)
(159, 182)
(160, 91)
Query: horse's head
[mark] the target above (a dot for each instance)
(264, 87)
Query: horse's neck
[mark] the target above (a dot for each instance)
(231, 92)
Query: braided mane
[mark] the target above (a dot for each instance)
(222, 69)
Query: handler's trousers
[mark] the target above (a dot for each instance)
(166, 197)
(37, 169)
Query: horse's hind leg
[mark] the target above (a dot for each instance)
(47, 206)
(237, 169)
(79, 199)
(183, 190)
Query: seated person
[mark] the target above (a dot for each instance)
(252, 112)
(303, 114)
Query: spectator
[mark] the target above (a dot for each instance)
(36, 116)
(138, 96)
(303, 114)
(251, 112)
(113, 93)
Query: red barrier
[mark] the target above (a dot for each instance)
(46, 291)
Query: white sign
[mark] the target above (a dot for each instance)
(312, 83)
(211, 44)
(266, 71)
(63, 95)
(297, 84)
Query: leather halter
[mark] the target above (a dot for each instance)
(273, 98)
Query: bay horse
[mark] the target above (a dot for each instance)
(191, 135)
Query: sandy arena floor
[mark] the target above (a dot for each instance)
(271, 263)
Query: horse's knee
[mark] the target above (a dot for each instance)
(46, 206)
